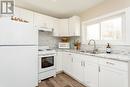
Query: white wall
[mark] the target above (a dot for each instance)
(103, 8)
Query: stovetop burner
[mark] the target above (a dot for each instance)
(45, 50)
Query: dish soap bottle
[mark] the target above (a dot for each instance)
(108, 48)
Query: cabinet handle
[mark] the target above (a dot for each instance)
(110, 63)
(84, 64)
(42, 27)
(72, 59)
(81, 63)
(99, 69)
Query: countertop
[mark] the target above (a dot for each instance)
(118, 57)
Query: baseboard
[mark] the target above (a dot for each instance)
(60, 72)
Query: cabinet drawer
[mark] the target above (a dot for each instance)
(92, 59)
(114, 64)
(46, 74)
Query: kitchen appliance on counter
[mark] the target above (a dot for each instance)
(47, 62)
(64, 43)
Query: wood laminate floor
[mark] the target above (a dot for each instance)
(61, 80)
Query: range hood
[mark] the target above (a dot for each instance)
(45, 29)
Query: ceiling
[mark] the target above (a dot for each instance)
(58, 8)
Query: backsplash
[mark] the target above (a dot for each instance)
(122, 49)
(47, 39)
(73, 40)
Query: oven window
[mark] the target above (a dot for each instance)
(47, 62)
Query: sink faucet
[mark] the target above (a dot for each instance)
(94, 48)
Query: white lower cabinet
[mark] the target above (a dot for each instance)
(109, 77)
(78, 67)
(59, 62)
(67, 62)
(94, 71)
(113, 73)
(91, 71)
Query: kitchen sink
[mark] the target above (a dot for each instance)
(89, 52)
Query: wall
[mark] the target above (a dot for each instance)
(46, 39)
(103, 8)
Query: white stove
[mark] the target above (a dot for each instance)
(47, 62)
(45, 50)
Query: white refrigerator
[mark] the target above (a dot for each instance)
(18, 54)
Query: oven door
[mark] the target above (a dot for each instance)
(46, 63)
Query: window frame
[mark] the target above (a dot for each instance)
(101, 19)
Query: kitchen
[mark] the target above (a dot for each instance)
(65, 43)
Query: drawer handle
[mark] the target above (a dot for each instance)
(110, 63)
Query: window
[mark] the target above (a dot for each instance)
(93, 31)
(109, 28)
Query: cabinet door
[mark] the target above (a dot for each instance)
(63, 31)
(91, 74)
(109, 77)
(67, 62)
(78, 67)
(56, 27)
(40, 21)
(59, 62)
(71, 27)
(49, 22)
(74, 26)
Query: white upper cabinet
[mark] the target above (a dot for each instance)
(61, 27)
(64, 27)
(42, 21)
(67, 27)
(56, 27)
(74, 26)
(38, 20)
